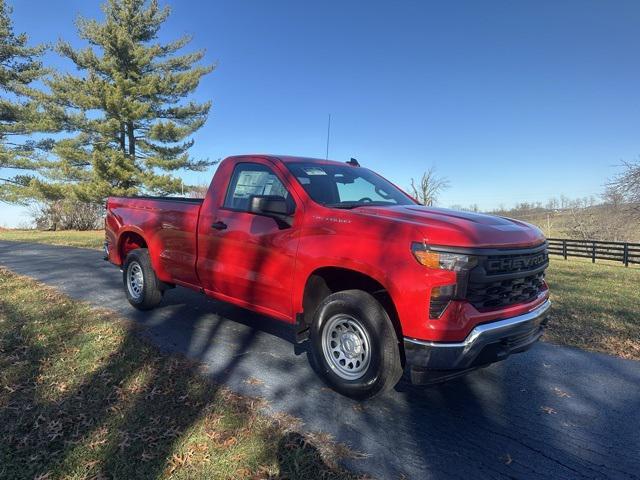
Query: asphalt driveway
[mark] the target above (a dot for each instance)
(553, 412)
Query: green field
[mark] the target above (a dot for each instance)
(82, 396)
(595, 306)
(72, 238)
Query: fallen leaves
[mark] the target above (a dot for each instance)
(54, 429)
(147, 456)
(230, 442)
(125, 441)
(561, 393)
(154, 391)
(98, 438)
(178, 460)
(253, 381)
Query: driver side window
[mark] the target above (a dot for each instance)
(252, 179)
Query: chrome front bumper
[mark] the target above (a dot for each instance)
(487, 343)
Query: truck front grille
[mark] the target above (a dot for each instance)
(507, 278)
(485, 295)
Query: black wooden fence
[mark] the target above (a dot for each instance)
(627, 253)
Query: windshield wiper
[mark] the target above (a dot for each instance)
(344, 206)
(349, 206)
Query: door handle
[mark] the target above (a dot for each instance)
(219, 226)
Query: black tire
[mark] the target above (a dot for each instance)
(384, 366)
(150, 293)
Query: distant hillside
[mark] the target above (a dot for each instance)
(618, 223)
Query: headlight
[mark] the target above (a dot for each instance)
(455, 262)
(460, 263)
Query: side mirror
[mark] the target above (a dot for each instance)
(274, 206)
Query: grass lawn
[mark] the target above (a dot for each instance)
(82, 396)
(72, 238)
(595, 306)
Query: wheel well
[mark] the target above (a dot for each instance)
(130, 241)
(328, 280)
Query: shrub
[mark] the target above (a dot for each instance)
(67, 214)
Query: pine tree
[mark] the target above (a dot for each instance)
(20, 115)
(127, 114)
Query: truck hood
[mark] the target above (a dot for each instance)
(443, 226)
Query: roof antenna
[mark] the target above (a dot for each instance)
(353, 162)
(328, 135)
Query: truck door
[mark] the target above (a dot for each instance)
(245, 257)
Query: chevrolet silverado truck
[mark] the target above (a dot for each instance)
(375, 282)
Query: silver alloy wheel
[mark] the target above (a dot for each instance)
(135, 280)
(346, 346)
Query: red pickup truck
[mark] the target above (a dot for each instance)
(375, 281)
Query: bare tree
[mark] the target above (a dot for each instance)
(552, 204)
(625, 188)
(197, 191)
(429, 187)
(583, 223)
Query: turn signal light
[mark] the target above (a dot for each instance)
(456, 262)
(427, 258)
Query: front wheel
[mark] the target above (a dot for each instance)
(355, 345)
(140, 282)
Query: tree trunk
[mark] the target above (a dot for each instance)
(132, 140)
(123, 136)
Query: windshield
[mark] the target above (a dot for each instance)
(344, 186)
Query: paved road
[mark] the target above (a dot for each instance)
(552, 412)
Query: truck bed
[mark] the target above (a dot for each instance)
(169, 225)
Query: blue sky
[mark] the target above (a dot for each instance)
(512, 101)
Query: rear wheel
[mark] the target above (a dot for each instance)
(355, 345)
(140, 282)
